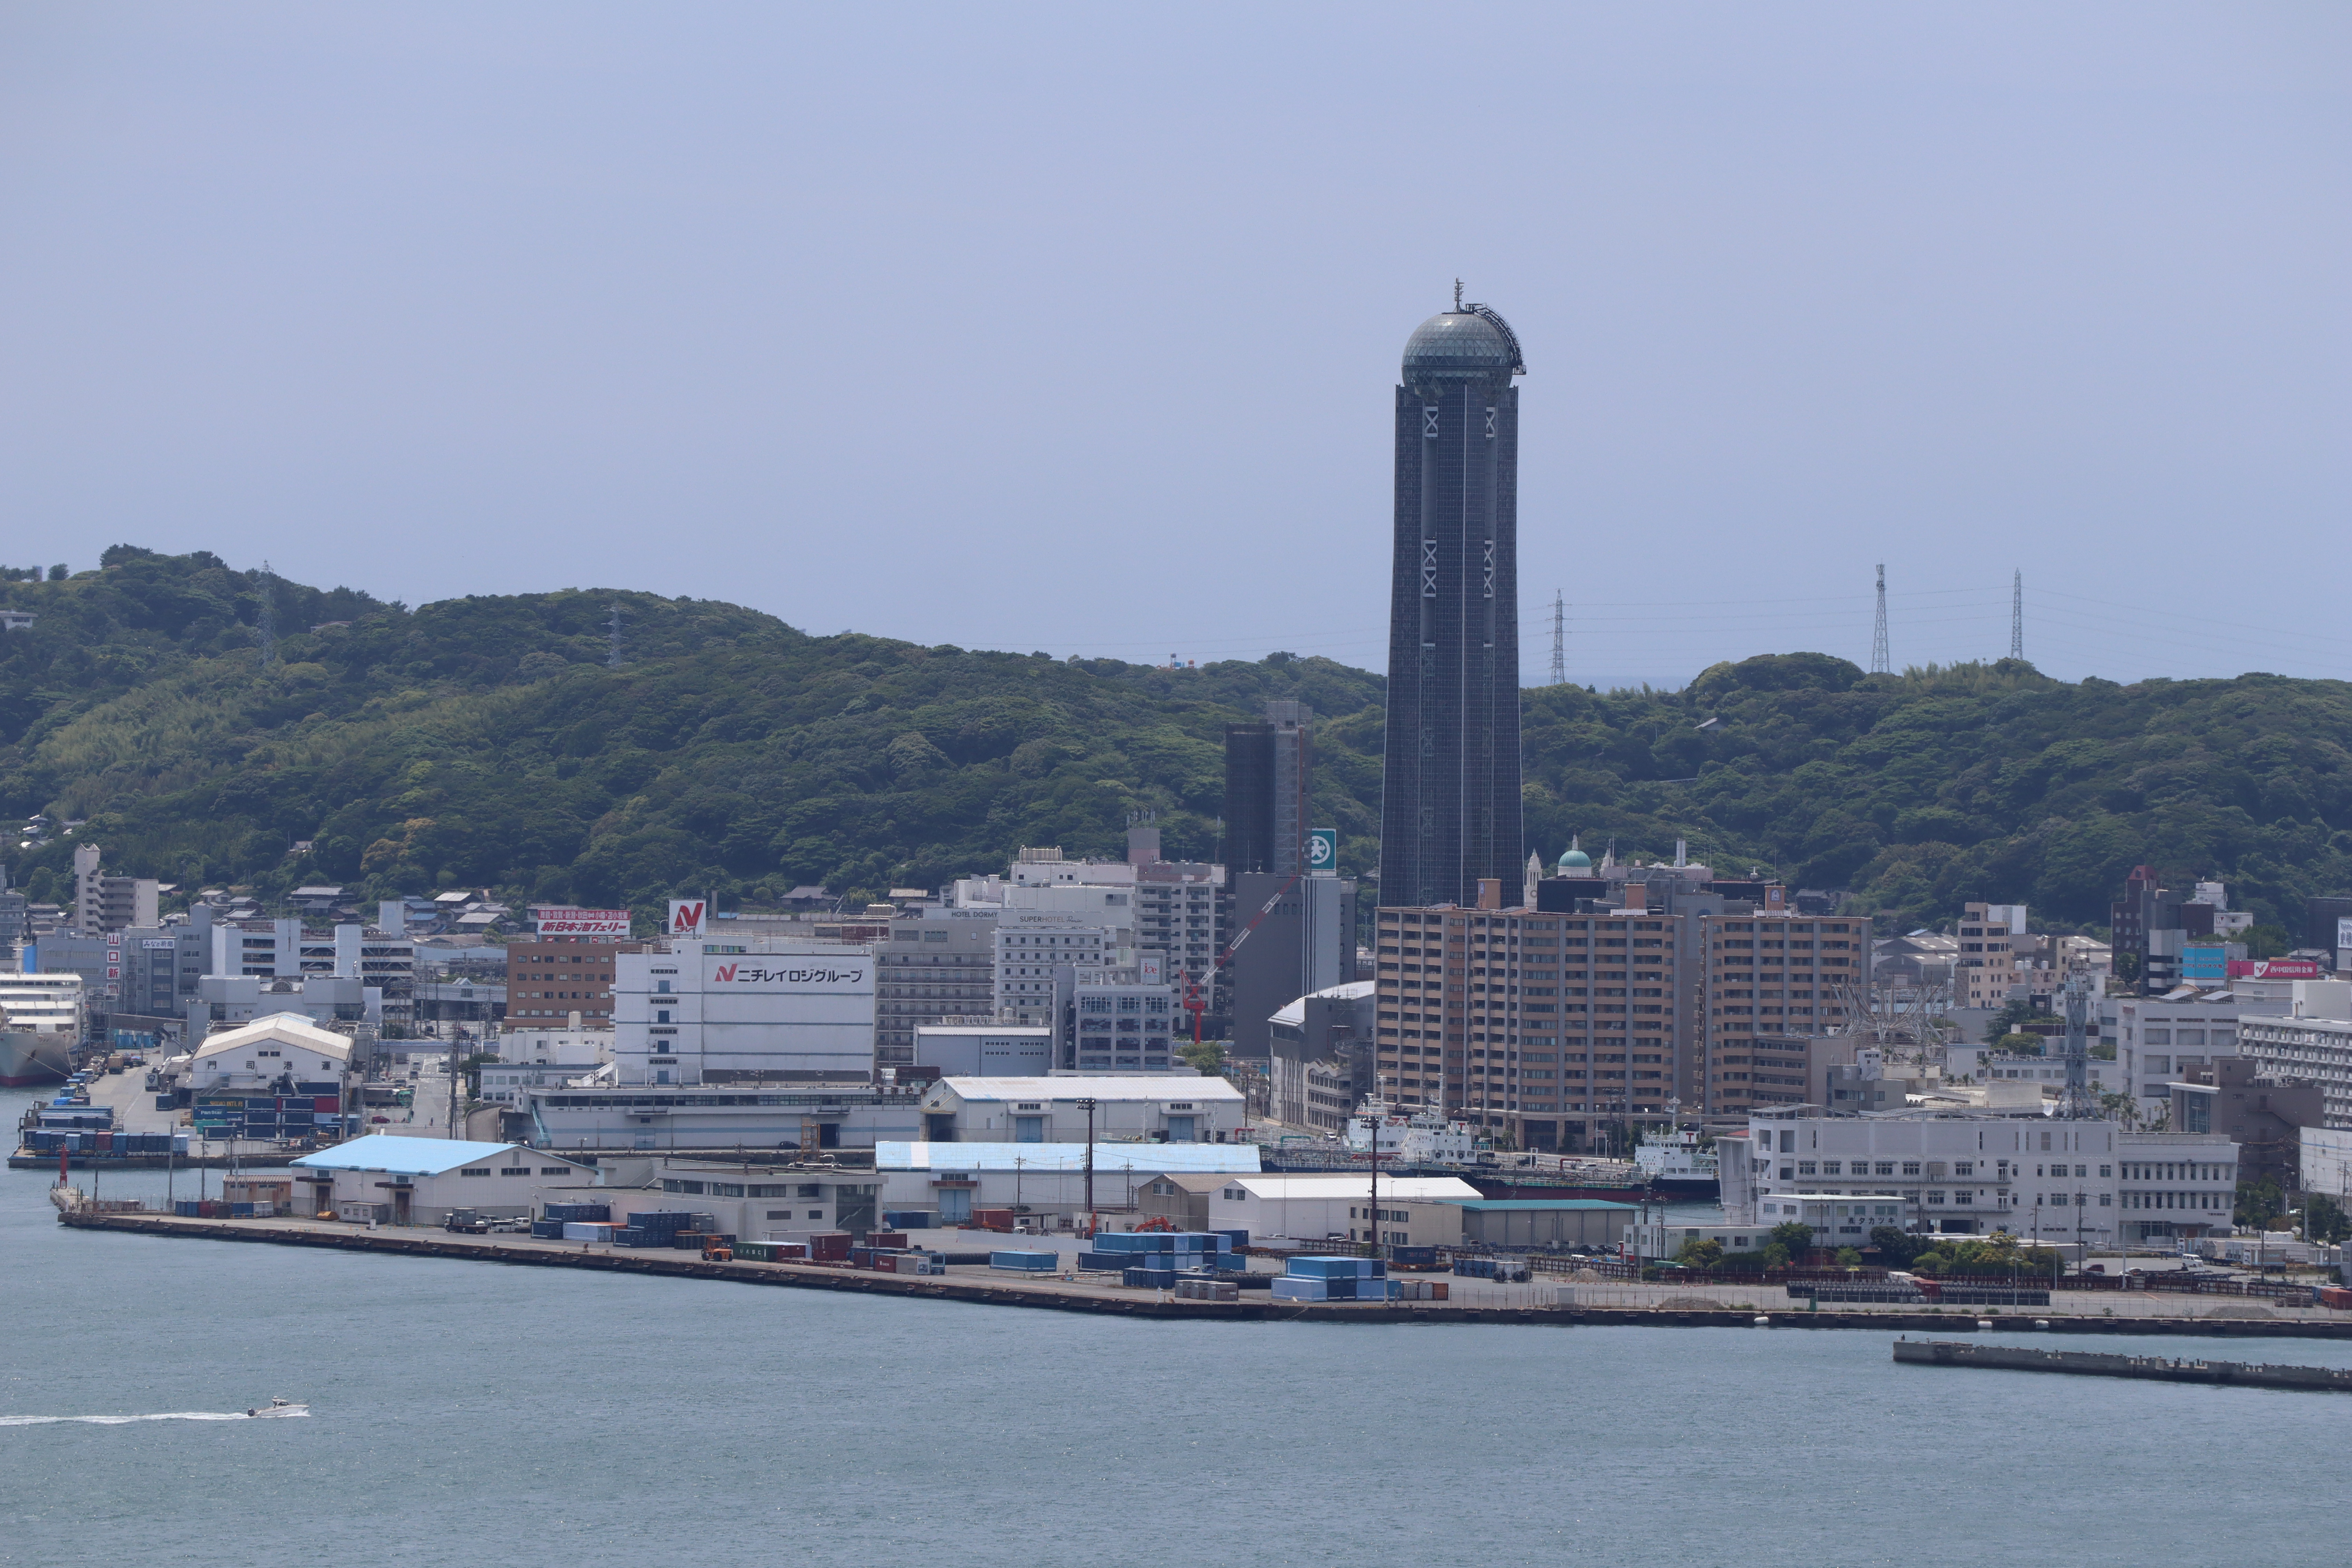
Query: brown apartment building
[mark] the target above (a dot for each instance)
(1568, 1031)
(548, 981)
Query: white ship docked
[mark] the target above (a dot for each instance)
(1676, 1161)
(1422, 1138)
(41, 1019)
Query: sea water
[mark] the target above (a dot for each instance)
(469, 1413)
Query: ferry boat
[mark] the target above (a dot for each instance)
(41, 1019)
(1677, 1166)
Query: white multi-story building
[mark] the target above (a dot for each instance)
(1125, 1027)
(743, 1012)
(1960, 1173)
(2313, 1042)
(2158, 1040)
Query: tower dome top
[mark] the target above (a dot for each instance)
(1469, 343)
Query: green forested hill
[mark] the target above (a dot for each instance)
(483, 741)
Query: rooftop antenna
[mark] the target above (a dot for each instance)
(1559, 638)
(1457, 296)
(265, 626)
(613, 636)
(1879, 663)
(2017, 613)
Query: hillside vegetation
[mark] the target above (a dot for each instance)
(484, 741)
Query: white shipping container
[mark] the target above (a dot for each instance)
(588, 1230)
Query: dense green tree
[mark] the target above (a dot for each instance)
(486, 740)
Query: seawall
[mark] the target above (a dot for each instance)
(1054, 1295)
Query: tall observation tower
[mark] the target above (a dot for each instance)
(1450, 804)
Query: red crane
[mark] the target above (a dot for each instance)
(1195, 1002)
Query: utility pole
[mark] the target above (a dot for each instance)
(1088, 1102)
(2017, 615)
(1559, 638)
(1879, 662)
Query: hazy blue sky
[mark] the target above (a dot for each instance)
(1075, 328)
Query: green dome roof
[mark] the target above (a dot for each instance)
(1577, 859)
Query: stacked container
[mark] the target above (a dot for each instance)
(581, 1212)
(1333, 1280)
(589, 1230)
(1161, 1251)
(1508, 1270)
(1207, 1290)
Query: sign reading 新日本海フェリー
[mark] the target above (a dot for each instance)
(557, 922)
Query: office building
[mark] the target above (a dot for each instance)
(1964, 1173)
(104, 903)
(1123, 1026)
(938, 964)
(1450, 814)
(2312, 1045)
(706, 1013)
(1305, 942)
(1269, 767)
(1322, 1061)
(980, 1050)
(1174, 1107)
(552, 977)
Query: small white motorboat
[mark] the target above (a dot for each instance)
(280, 1407)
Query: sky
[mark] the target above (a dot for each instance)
(1074, 328)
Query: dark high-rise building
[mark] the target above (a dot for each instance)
(1450, 805)
(1268, 774)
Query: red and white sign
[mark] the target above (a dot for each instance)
(687, 915)
(2275, 968)
(555, 922)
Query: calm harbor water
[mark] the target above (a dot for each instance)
(464, 1413)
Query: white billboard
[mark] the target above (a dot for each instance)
(687, 916)
(565, 922)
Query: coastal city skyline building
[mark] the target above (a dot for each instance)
(1450, 812)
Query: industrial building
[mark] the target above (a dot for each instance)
(739, 1014)
(951, 1180)
(1173, 1108)
(1320, 1206)
(417, 1181)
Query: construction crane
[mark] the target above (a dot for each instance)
(1195, 1002)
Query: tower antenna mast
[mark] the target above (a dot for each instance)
(2017, 615)
(1559, 638)
(613, 634)
(1879, 662)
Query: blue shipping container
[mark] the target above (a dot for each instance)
(1028, 1262)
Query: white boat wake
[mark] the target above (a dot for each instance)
(261, 1413)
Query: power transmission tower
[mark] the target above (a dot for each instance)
(612, 633)
(1559, 638)
(1879, 663)
(265, 626)
(2017, 615)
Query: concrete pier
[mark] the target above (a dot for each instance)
(983, 1285)
(2091, 1363)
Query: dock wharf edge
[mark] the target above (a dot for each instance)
(2094, 1364)
(1007, 1292)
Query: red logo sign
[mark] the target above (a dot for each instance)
(2274, 969)
(726, 972)
(686, 916)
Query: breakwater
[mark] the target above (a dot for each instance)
(2090, 1363)
(1056, 1295)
